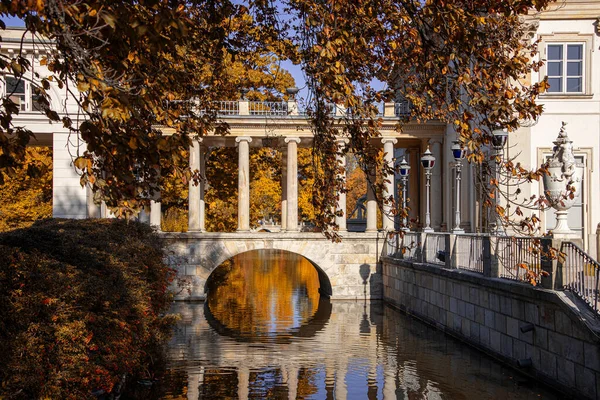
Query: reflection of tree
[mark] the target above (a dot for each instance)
(263, 292)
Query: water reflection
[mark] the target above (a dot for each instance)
(255, 344)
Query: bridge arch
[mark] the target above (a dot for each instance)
(325, 288)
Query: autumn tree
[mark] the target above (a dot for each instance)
(144, 63)
(25, 198)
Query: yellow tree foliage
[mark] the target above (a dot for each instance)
(25, 198)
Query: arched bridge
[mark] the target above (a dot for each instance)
(348, 269)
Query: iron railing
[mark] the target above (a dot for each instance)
(402, 108)
(519, 258)
(581, 274)
(411, 246)
(469, 252)
(268, 108)
(435, 248)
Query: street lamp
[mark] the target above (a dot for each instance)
(427, 161)
(458, 152)
(404, 172)
(498, 141)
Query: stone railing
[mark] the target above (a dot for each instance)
(289, 108)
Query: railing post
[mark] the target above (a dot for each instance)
(292, 107)
(421, 255)
(244, 107)
(389, 109)
(451, 251)
(491, 266)
(552, 266)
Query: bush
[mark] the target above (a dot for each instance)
(82, 305)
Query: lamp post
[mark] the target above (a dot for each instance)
(404, 172)
(498, 141)
(427, 161)
(458, 153)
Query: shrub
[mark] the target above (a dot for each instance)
(82, 305)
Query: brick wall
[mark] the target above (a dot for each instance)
(547, 334)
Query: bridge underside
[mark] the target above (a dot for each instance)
(350, 267)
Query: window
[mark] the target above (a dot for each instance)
(567, 64)
(22, 93)
(16, 90)
(565, 67)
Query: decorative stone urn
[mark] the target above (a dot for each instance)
(563, 184)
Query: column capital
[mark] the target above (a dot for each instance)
(243, 138)
(389, 140)
(342, 142)
(292, 139)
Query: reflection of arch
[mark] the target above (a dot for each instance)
(325, 289)
(308, 329)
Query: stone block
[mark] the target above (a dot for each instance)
(495, 340)
(453, 305)
(540, 337)
(484, 298)
(479, 315)
(512, 327)
(474, 331)
(500, 322)
(566, 346)
(532, 313)
(585, 381)
(520, 350)
(464, 292)
(506, 345)
(465, 327)
(547, 317)
(489, 318)
(461, 308)
(456, 322)
(484, 335)
(506, 305)
(494, 302)
(473, 295)
(565, 372)
(518, 309)
(548, 363)
(592, 356)
(470, 311)
(562, 323)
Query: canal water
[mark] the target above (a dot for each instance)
(264, 332)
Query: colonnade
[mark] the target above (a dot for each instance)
(289, 186)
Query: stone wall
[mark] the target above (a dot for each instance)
(546, 334)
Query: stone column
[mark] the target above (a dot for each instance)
(437, 194)
(341, 205)
(371, 201)
(283, 188)
(243, 182)
(388, 189)
(292, 184)
(196, 209)
(155, 214)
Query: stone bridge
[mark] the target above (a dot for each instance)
(349, 269)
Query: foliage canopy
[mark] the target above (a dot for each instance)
(135, 65)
